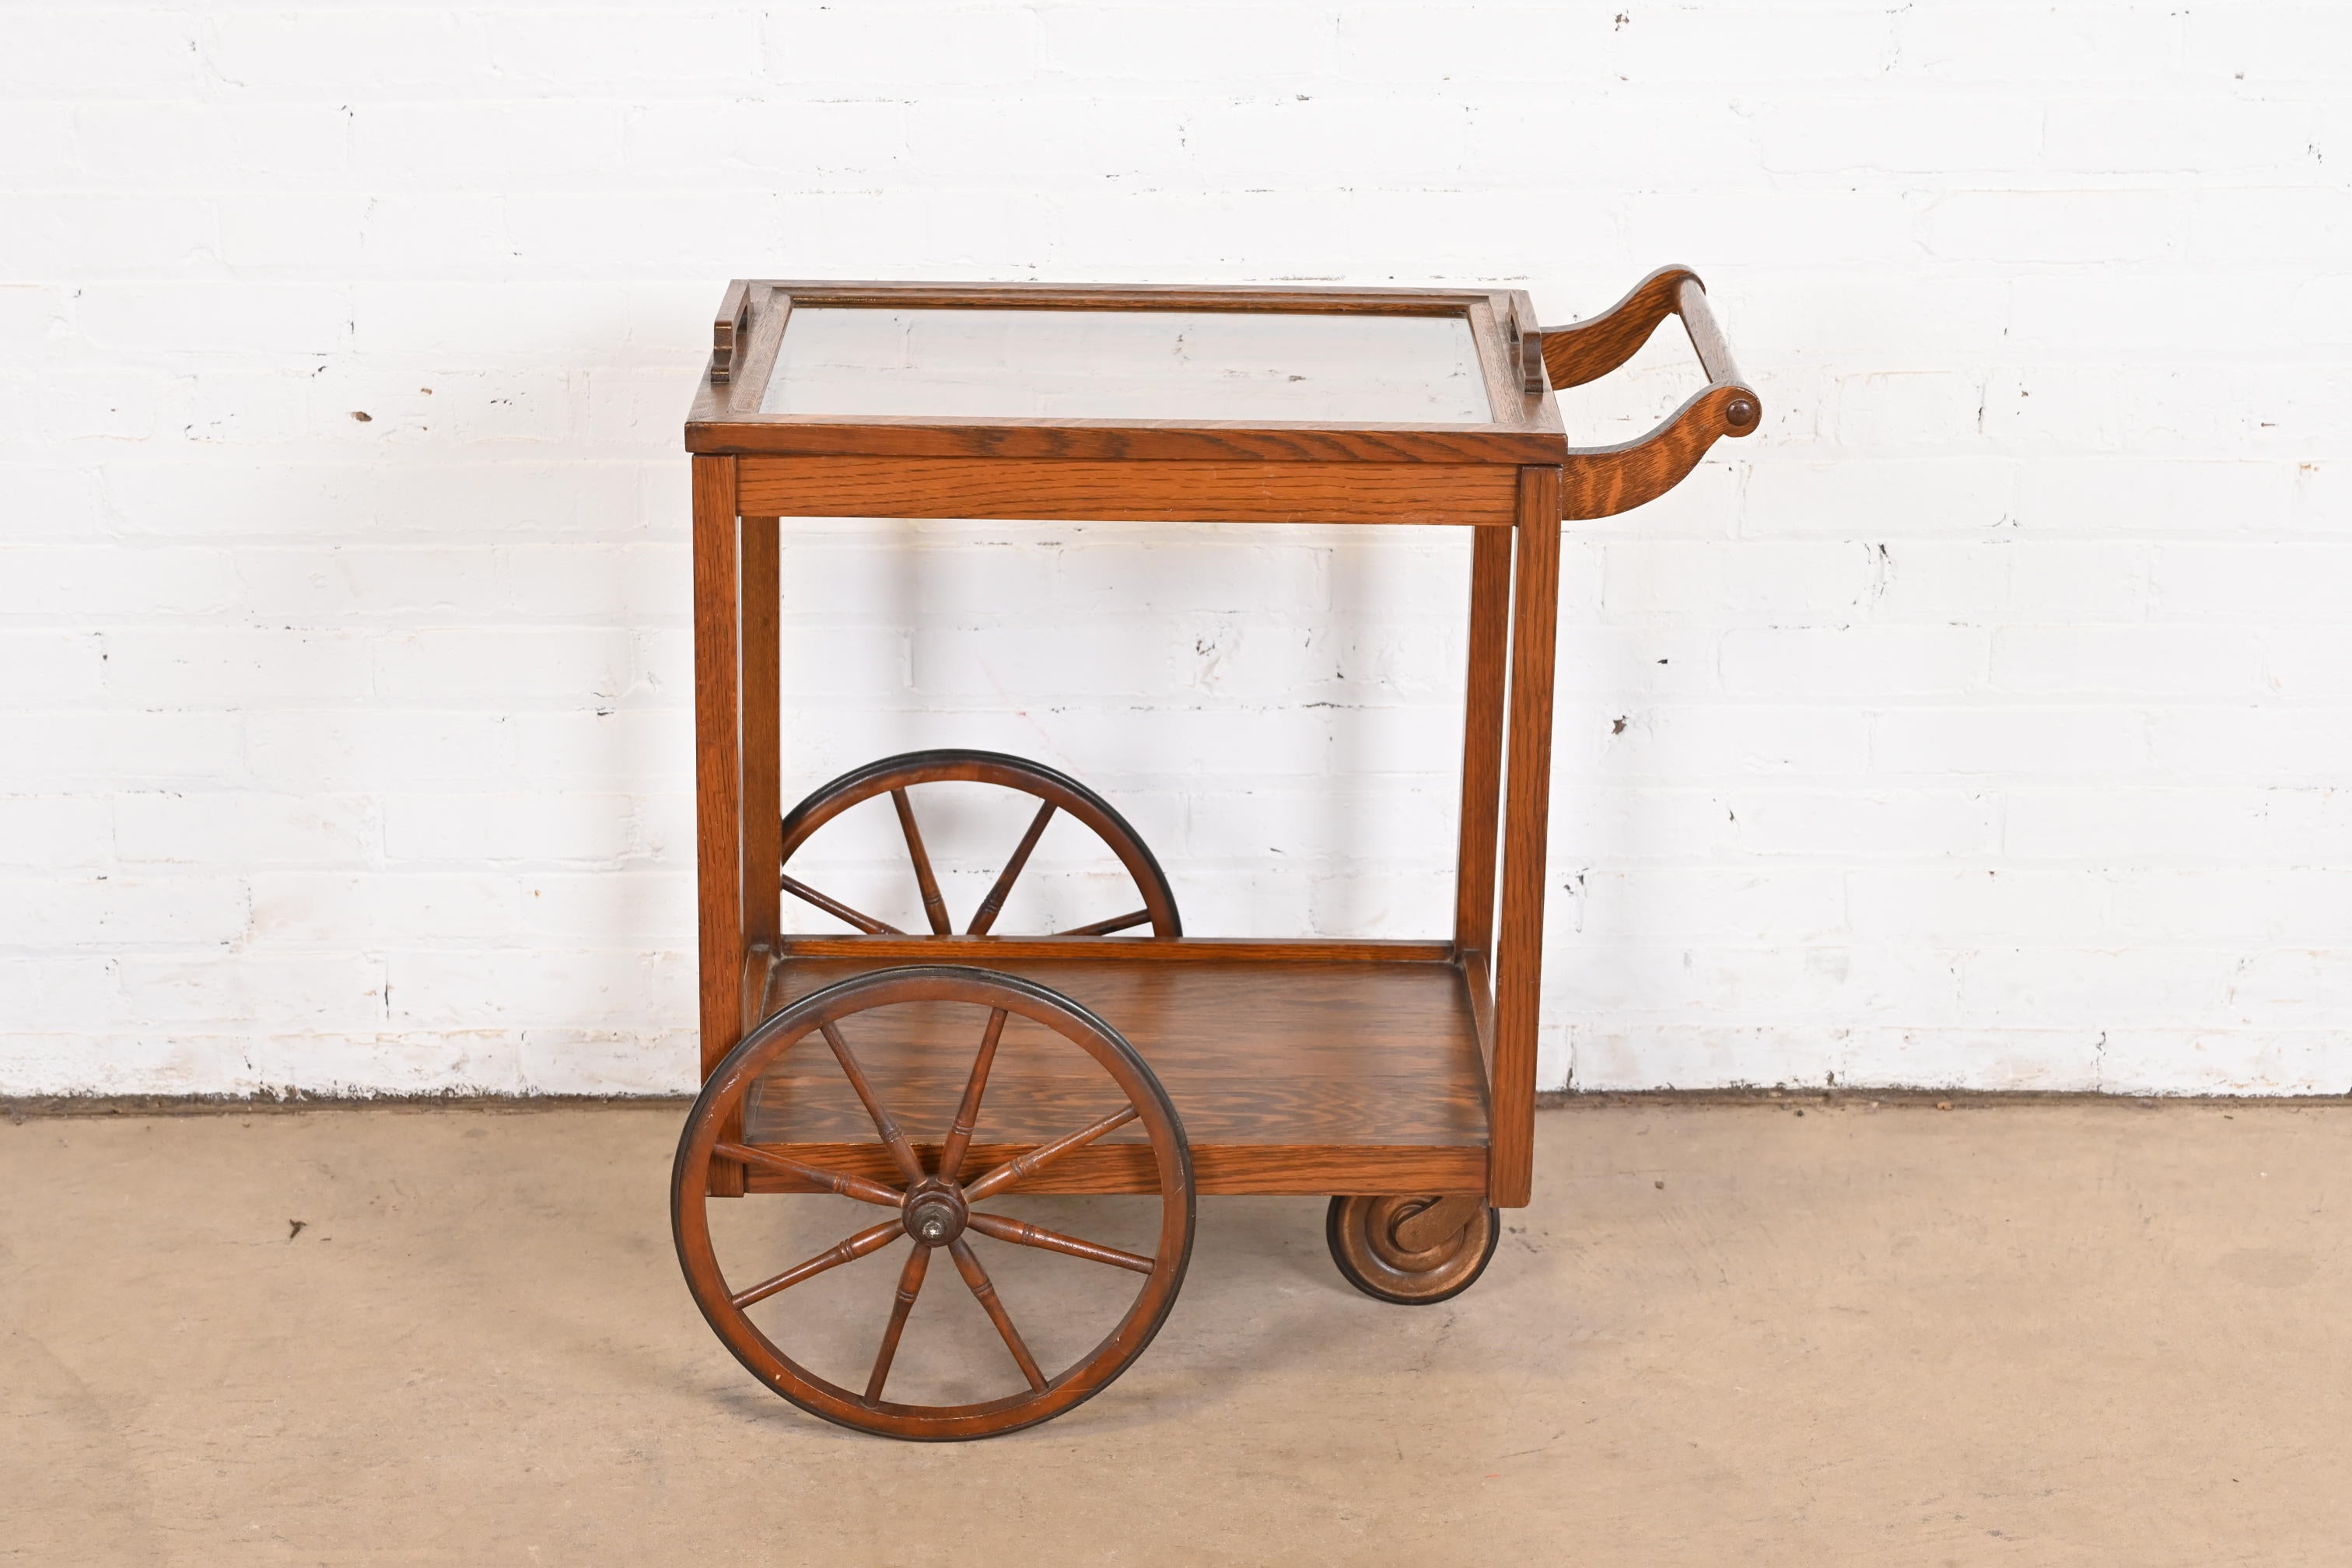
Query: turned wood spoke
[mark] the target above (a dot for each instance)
(935, 907)
(1024, 1165)
(1020, 1233)
(993, 905)
(981, 1287)
(967, 1117)
(870, 1240)
(901, 1152)
(838, 909)
(1104, 928)
(847, 1185)
(910, 1285)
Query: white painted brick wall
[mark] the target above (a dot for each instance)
(1984, 721)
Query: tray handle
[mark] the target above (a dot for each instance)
(730, 331)
(1604, 481)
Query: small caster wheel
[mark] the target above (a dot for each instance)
(1412, 1251)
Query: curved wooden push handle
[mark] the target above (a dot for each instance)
(1603, 480)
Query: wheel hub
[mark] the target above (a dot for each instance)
(935, 1212)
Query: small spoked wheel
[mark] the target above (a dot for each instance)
(1150, 905)
(876, 1089)
(1413, 1251)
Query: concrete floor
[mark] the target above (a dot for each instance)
(2013, 1333)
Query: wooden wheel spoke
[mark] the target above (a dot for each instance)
(910, 1285)
(985, 1291)
(869, 1240)
(848, 1186)
(967, 1118)
(993, 905)
(935, 907)
(1020, 1233)
(838, 909)
(901, 1152)
(1116, 922)
(1024, 1165)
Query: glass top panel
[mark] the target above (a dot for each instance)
(1128, 364)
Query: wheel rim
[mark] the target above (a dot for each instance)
(1058, 793)
(938, 1203)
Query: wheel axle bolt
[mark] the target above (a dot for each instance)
(934, 1215)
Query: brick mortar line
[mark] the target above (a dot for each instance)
(20, 1108)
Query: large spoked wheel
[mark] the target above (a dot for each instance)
(1412, 1251)
(1055, 792)
(933, 1200)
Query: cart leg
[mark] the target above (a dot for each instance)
(762, 757)
(719, 774)
(1527, 809)
(1482, 762)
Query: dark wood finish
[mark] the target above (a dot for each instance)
(984, 1290)
(1023, 1234)
(1413, 1251)
(992, 904)
(902, 1153)
(1026, 1167)
(846, 913)
(949, 1163)
(895, 776)
(910, 1285)
(935, 907)
(934, 1205)
(1527, 807)
(1065, 489)
(817, 1179)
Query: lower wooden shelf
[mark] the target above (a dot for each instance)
(1305, 1076)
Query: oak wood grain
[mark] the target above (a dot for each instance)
(763, 808)
(721, 942)
(1112, 441)
(1588, 350)
(996, 952)
(1605, 480)
(1287, 1055)
(1526, 801)
(1481, 746)
(1470, 493)
(1303, 1170)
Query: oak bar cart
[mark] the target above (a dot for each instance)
(942, 1078)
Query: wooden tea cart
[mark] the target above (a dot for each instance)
(938, 1075)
